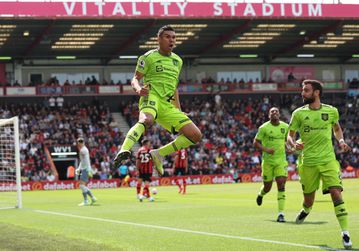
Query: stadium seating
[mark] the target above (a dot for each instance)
(228, 127)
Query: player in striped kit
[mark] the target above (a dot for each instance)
(180, 167)
(144, 166)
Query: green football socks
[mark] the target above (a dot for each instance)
(307, 209)
(133, 136)
(342, 215)
(179, 143)
(281, 201)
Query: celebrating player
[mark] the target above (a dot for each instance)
(315, 121)
(159, 100)
(144, 167)
(270, 139)
(84, 172)
(180, 166)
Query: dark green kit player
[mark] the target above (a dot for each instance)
(159, 100)
(315, 121)
(270, 139)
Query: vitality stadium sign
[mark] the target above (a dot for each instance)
(120, 9)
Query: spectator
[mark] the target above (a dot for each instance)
(291, 77)
(52, 103)
(60, 102)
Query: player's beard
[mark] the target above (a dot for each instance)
(309, 100)
(274, 120)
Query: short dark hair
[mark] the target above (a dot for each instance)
(316, 85)
(163, 29)
(144, 141)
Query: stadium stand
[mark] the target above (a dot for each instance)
(228, 123)
(229, 126)
(40, 126)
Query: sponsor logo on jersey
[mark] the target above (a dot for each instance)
(309, 128)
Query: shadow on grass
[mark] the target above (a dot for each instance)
(323, 201)
(309, 222)
(326, 247)
(156, 201)
(304, 223)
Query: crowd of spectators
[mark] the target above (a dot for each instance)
(42, 126)
(54, 82)
(228, 125)
(93, 81)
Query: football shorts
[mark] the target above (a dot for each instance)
(329, 173)
(164, 112)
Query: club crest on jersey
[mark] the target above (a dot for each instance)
(175, 62)
(282, 130)
(159, 68)
(325, 116)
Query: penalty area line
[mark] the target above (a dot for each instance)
(184, 230)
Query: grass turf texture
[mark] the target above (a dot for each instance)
(209, 217)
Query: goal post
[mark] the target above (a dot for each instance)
(10, 173)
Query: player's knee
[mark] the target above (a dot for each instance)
(147, 121)
(196, 136)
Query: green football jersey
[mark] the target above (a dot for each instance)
(273, 136)
(161, 72)
(315, 129)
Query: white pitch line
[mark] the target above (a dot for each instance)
(4, 208)
(185, 230)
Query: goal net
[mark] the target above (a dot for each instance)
(10, 177)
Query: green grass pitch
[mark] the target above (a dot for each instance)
(209, 217)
